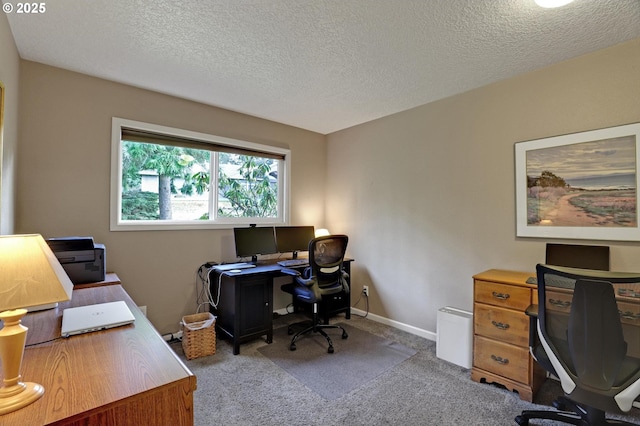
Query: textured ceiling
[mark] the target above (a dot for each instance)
(322, 65)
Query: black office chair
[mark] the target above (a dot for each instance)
(589, 337)
(323, 277)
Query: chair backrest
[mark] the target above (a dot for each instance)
(326, 256)
(588, 324)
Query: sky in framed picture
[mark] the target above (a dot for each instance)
(582, 185)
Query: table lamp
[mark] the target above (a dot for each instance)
(322, 232)
(30, 275)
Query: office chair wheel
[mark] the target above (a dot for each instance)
(344, 334)
(289, 330)
(292, 347)
(522, 421)
(559, 405)
(330, 350)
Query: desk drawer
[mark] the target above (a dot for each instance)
(505, 325)
(501, 358)
(629, 313)
(559, 301)
(507, 296)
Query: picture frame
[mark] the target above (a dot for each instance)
(579, 186)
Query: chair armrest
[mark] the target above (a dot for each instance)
(306, 282)
(291, 272)
(532, 311)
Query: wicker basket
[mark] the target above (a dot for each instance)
(199, 335)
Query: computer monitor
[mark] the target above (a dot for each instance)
(294, 238)
(578, 256)
(254, 241)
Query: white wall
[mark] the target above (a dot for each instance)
(427, 195)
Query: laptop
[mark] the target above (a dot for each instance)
(85, 319)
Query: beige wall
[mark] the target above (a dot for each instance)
(427, 195)
(64, 179)
(9, 76)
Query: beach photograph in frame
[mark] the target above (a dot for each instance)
(579, 186)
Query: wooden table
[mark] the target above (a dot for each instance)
(122, 376)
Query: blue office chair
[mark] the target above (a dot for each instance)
(587, 336)
(323, 277)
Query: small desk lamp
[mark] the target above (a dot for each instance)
(30, 275)
(322, 232)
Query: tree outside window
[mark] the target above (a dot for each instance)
(172, 183)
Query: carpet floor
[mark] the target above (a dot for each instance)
(250, 389)
(359, 358)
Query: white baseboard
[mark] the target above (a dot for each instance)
(429, 335)
(282, 311)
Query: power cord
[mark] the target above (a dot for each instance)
(203, 295)
(366, 299)
(172, 339)
(41, 343)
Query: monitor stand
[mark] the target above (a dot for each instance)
(295, 255)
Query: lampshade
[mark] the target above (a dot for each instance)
(322, 232)
(30, 275)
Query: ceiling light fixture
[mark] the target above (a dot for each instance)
(552, 3)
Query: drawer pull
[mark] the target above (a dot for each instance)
(500, 325)
(500, 360)
(560, 303)
(628, 292)
(628, 315)
(501, 296)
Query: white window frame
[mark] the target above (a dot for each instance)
(117, 224)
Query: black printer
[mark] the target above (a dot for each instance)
(81, 258)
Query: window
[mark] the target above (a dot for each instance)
(166, 178)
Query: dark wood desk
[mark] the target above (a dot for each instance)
(245, 308)
(122, 376)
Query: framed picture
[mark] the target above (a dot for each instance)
(583, 185)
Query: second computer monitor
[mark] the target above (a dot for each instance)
(578, 256)
(294, 238)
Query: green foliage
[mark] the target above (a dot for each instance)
(138, 205)
(200, 181)
(546, 179)
(254, 195)
(248, 194)
(168, 161)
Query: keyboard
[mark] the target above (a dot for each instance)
(293, 262)
(229, 266)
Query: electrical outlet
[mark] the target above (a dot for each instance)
(365, 290)
(171, 336)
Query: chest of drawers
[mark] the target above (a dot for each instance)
(501, 332)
